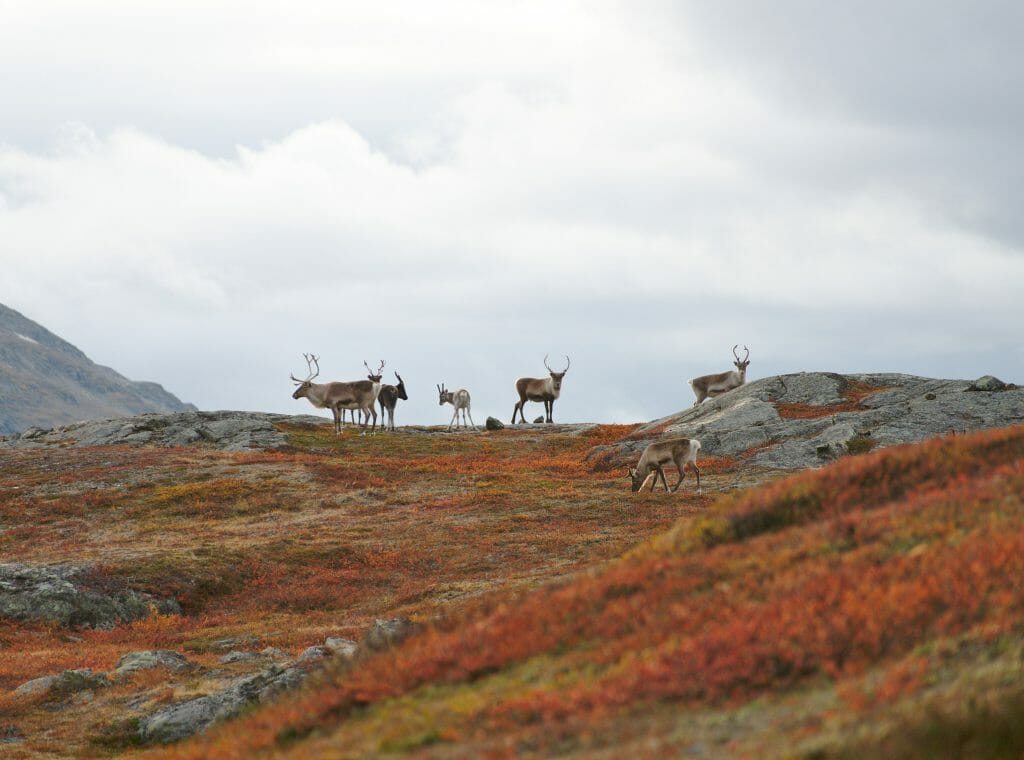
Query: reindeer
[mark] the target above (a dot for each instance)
(545, 389)
(679, 451)
(359, 394)
(716, 385)
(458, 399)
(388, 400)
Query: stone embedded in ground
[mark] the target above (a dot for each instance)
(64, 684)
(187, 718)
(341, 647)
(384, 634)
(237, 656)
(988, 383)
(315, 652)
(538, 420)
(152, 658)
(62, 594)
(493, 423)
(225, 430)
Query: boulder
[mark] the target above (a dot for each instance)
(64, 684)
(62, 594)
(538, 420)
(384, 634)
(154, 658)
(341, 647)
(493, 423)
(237, 656)
(194, 715)
(988, 383)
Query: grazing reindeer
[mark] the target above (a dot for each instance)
(360, 394)
(388, 400)
(716, 385)
(545, 389)
(460, 400)
(679, 451)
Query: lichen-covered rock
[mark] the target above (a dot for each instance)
(988, 383)
(154, 658)
(64, 684)
(194, 715)
(62, 594)
(493, 423)
(227, 430)
(384, 634)
(787, 422)
(341, 647)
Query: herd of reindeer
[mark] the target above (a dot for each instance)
(363, 396)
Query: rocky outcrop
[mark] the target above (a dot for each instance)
(791, 422)
(229, 431)
(64, 684)
(67, 595)
(46, 381)
(149, 659)
(194, 715)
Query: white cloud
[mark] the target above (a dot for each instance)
(460, 193)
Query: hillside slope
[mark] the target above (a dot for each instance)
(45, 381)
(872, 608)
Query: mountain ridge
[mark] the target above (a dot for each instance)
(45, 381)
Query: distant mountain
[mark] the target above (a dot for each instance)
(45, 381)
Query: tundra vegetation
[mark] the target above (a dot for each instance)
(870, 608)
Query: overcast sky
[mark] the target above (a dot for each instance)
(198, 192)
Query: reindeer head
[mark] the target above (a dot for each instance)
(444, 396)
(375, 377)
(400, 388)
(313, 367)
(638, 478)
(556, 377)
(741, 364)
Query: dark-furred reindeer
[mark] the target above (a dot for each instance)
(388, 400)
(337, 396)
(543, 389)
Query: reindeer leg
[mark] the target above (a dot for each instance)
(696, 470)
(682, 474)
(471, 419)
(454, 416)
(661, 474)
(551, 410)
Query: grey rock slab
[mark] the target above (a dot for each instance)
(192, 716)
(341, 647)
(155, 658)
(226, 430)
(386, 633)
(60, 594)
(237, 656)
(64, 684)
(494, 423)
(904, 409)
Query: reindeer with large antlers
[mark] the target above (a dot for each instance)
(458, 399)
(544, 389)
(337, 396)
(715, 385)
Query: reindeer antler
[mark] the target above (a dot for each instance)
(546, 364)
(567, 364)
(311, 360)
(747, 355)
